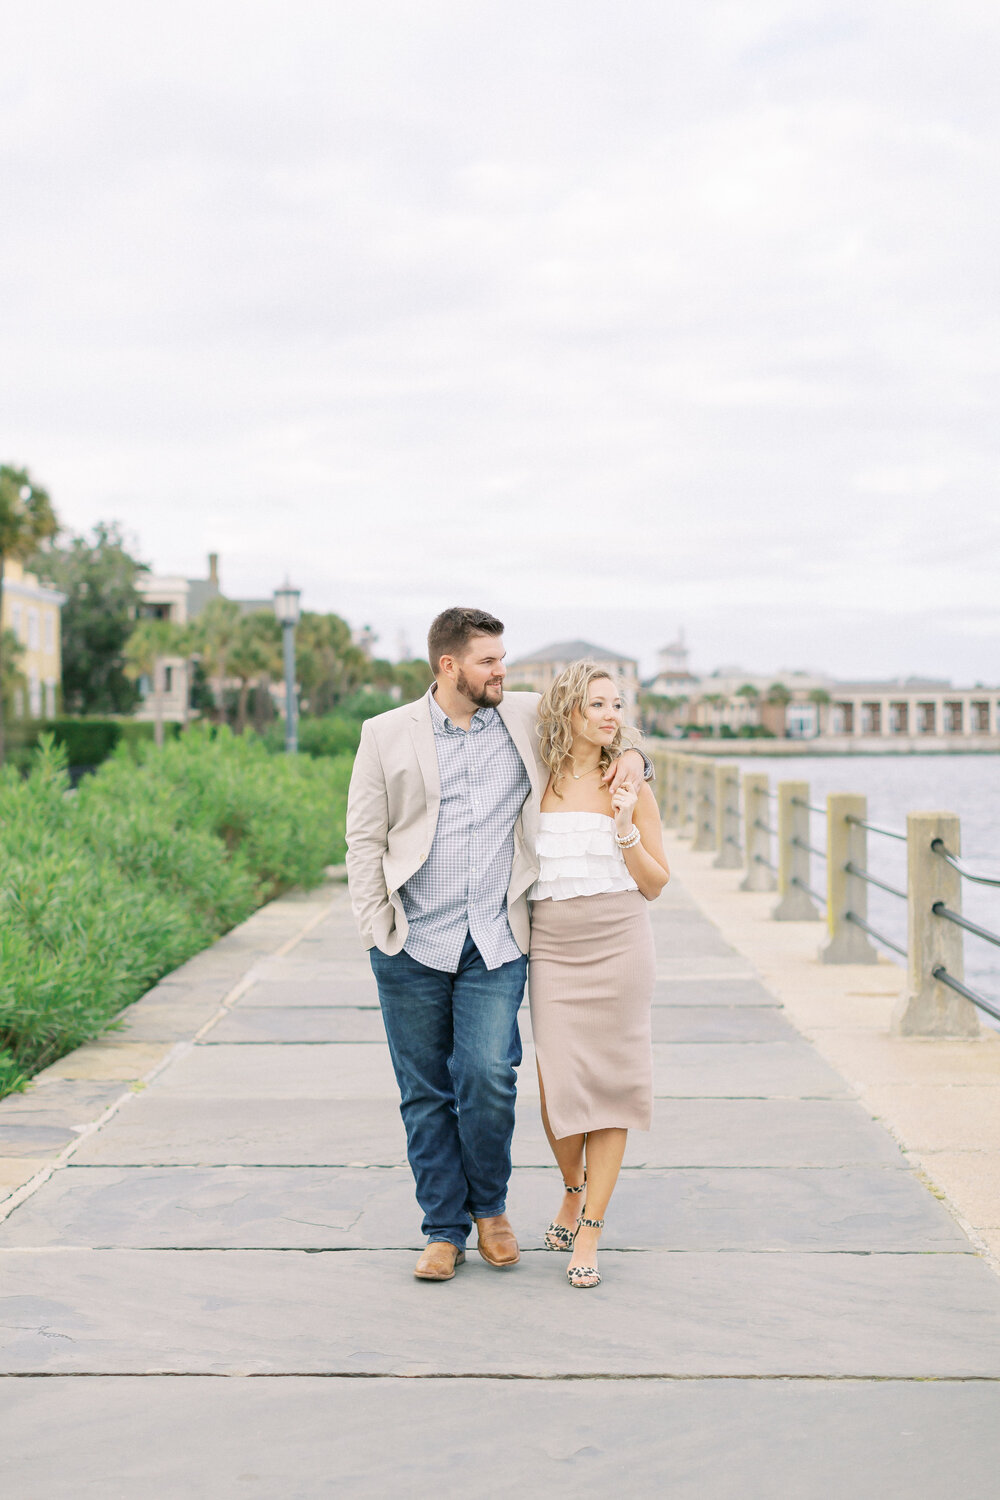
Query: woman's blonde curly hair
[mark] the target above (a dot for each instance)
(555, 719)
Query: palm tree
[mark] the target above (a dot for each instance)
(712, 701)
(254, 655)
(26, 521)
(821, 698)
(214, 635)
(329, 666)
(149, 643)
(749, 692)
(779, 697)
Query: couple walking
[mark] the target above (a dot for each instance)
(489, 837)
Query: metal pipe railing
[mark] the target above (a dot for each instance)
(879, 937)
(870, 879)
(981, 1001)
(939, 848)
(704, 800)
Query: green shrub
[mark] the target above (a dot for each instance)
(105, 891)
(330, 735)
(87, 741)
(365, 704)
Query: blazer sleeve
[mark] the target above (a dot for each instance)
(367, 835)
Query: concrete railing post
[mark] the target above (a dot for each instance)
(928, 1007)
(704, 805)
(689, 772)
(669, 804)
(795, 905)
(846, 843)
(729, 854)
(757, 842)
(660, 764)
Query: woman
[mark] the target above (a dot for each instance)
(591, 964)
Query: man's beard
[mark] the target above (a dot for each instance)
(482, 698)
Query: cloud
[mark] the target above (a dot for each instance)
(689, 315)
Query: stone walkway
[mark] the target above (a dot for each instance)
(787, 1310)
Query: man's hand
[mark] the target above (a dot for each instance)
(629, 767)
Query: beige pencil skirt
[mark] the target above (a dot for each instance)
(590, 985)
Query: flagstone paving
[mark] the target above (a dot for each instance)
(206, 1264)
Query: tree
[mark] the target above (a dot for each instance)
(98, 576)
(749, 692)
(213, 635)
(26, 521)
(328, 665)
(776, 700)
(413, 678)
(149, 643)
(380, 674)
(11, 652)
(254, 655)
(821, 698)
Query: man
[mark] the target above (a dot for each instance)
(441, 820)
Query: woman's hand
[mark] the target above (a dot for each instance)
(623, 800)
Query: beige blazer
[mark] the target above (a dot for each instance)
(392, 810)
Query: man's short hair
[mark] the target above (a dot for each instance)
(453, 629)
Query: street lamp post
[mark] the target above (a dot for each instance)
(286, 608)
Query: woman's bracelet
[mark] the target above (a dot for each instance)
(630, 840)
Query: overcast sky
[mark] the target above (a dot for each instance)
(611, 318)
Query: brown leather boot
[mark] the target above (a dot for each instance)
(438, 1261)
(497, 1244)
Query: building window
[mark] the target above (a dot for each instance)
(926, 718)
(50, 699)
(980, 717)
(899, 718)
(15, 620)
(34, 695)
(168, 679)
(871, 718)
(842, 718)
(19, 703)
(32, 630)
(953, 718)
(50, 631)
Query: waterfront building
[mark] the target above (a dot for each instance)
(930, 712)
(539, 669)
(31, 610)
(674, 678)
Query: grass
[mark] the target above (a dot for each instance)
(104, 891)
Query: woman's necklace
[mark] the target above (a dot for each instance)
(585, 773)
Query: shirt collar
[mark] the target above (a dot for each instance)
(481, 719)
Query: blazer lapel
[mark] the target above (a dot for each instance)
(422, 734)
(521, 729)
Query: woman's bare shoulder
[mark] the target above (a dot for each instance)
(647, 800)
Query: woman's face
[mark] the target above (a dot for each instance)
(599, 720)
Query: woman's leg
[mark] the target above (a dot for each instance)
(605, 1149)
(568, 1152)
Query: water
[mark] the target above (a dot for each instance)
(967, 785)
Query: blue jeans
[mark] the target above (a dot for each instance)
(455, 1044)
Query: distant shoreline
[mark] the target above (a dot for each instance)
(802, 749)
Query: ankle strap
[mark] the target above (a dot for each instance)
(593, 1223)
(574, 1189)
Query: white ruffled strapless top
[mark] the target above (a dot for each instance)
(578, 856)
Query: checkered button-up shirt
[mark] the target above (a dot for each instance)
(462, 885)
